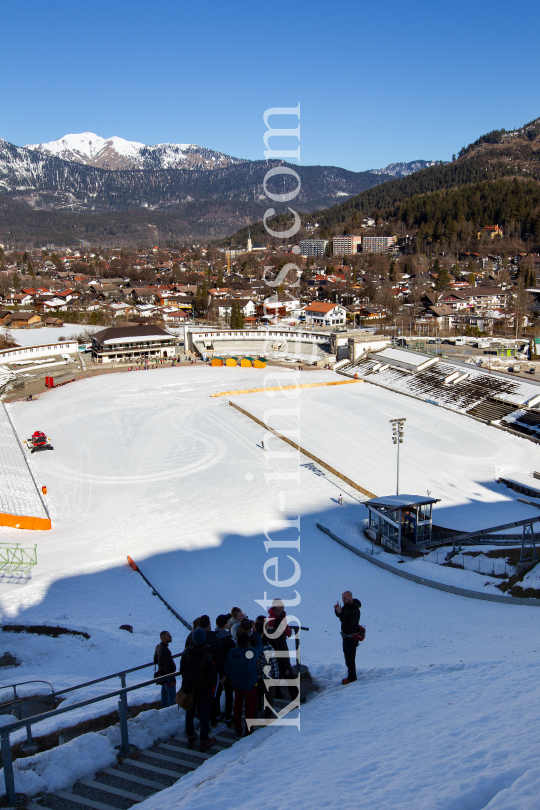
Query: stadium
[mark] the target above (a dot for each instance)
(191, 482)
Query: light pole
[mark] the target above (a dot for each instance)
(397, 438)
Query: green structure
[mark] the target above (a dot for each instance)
(17, 558)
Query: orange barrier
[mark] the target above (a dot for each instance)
(24, 522)
(283, 388)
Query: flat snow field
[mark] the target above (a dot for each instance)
(454, 457)
(148, 464)
(49, 334)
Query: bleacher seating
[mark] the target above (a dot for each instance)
(466, 389)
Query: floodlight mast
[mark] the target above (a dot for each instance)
(397, 438)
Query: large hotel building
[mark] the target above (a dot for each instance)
(346, 245)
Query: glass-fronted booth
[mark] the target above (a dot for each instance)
(400, 521)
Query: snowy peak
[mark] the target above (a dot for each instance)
(404, 169)
(91, 149)
(119, 154)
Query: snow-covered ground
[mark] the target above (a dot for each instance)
(49, 334)
(148, 464)
(455, 458)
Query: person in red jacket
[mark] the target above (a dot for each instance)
(277, 618)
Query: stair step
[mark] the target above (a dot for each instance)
(163, 771)
(214, 747)
(129, 777)
(71, 797)
(165, 758)
(229, 740)
(189, 751)
(125, 794)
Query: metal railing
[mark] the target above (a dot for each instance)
(20, 701)
(120, 675)
(28, 722)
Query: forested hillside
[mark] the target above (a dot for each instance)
(496, 180)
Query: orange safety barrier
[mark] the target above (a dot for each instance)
(25, 522)
(284, 387)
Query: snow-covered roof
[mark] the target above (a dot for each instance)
(400, 501)
(128, 334)
(403, 356)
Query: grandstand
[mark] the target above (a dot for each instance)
(310, 348)
(491, 397)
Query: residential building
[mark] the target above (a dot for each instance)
(346, 245)
(320, 313)
(377, 244)
(313, 247)
(21, 320)
(143, 295)
(247, 306)
(283, 301)
(485, 296)
(492, 231)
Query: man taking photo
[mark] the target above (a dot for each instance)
(349, 616)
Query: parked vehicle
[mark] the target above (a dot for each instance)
(38, 441)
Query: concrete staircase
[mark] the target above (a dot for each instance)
(137, 776)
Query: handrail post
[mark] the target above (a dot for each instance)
(8, 769)
(122, 714)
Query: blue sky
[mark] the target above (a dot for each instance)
(377, 82)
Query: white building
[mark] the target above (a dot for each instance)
(322, 314)
(118, 343)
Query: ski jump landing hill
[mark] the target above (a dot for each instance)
(21, 504)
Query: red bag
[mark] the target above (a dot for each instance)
(360, 634)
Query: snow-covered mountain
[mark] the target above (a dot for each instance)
(117, 153)
(404, 169)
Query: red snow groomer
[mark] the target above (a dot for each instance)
(38, 441)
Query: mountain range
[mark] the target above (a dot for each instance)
(118, 154)
(63, 189)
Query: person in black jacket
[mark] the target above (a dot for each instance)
(349, 616)
(199, 677)
(216, 648)
(223, 632)
(164, 662)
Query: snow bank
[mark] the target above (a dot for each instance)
(439, 738)
(60, 767)
(149, 728)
